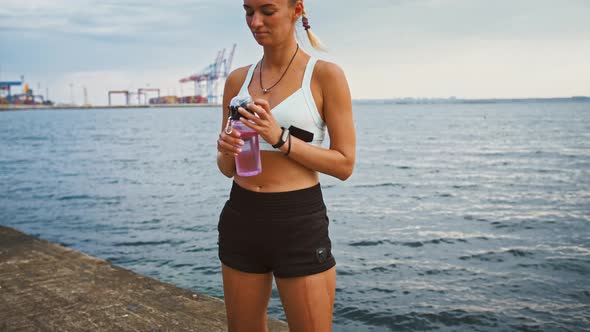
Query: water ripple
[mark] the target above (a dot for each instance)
(147, 243)
(458, 217)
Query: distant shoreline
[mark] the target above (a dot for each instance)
(452, 100)
(81, 107)
(399, 101)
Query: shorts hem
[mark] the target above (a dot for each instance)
(307, 272)
(242, 268)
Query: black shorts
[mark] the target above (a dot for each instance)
(284, 232)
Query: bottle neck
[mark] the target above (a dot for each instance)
(242, 127)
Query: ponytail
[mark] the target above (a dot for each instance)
(313, 39)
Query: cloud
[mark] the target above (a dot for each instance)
(100, 18)
(390, 23)
(474, 69)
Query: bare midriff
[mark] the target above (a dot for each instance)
(279, 174)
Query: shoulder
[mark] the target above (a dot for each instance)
(236, 77)
(327, 72)
(233, 83)
(331, 80)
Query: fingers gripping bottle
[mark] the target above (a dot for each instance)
(248, 160)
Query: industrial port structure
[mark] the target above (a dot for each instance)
(128, 94)
(207, 83)
(209, 80)
(27, 97)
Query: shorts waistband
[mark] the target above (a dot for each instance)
(301, 201)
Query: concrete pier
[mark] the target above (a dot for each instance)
(46, 287)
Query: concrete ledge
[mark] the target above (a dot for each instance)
(46, 287)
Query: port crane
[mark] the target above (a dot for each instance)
(119, 92)
(27, 97)
(208, 81)
(142, 91)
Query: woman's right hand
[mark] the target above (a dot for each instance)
(229, 144)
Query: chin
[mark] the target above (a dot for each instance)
(262, 41)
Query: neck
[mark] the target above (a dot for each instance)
(277, 57)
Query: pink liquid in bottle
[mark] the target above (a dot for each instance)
(248, 160)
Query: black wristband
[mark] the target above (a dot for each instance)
(282, 138)
(289, 146)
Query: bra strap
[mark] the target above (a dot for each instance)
(306, 84)
(244, 89)
(306, 87)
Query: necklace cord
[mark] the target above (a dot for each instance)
(286, 69)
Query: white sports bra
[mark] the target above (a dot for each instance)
(298, 110)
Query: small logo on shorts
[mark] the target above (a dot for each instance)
(321, 254)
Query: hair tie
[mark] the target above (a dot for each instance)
(305, 22)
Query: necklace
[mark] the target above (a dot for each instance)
(277, 82)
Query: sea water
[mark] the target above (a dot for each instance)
(458, 217)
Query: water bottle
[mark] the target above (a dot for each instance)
(248, 160)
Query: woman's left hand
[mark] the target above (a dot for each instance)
(265, 123)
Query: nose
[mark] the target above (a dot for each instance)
(256, 20)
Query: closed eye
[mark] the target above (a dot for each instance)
(265, 12)
(250, 13)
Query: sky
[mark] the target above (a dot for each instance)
(387, 48)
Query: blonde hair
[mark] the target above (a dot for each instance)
(314, 40)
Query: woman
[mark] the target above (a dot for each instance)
(275, 223)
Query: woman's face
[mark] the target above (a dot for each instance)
(271, 21)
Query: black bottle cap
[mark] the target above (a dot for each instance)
(236, 102)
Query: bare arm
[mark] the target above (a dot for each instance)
(228, 144)
(339, 159)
